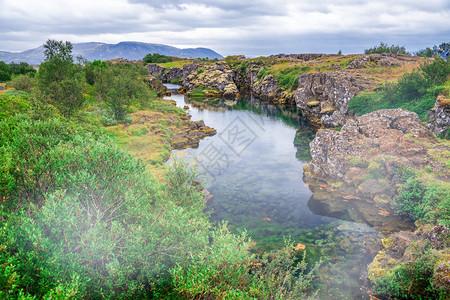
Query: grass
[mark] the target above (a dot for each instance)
(177, 64)
(148, 135)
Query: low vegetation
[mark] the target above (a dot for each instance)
(422, 277)
(81, 218)
(416, 91)
(421, 198)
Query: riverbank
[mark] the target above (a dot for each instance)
(153, 134)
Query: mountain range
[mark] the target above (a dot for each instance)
(101, 51)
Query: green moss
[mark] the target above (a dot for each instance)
(358, 162)
(201, 91)
(376, 269)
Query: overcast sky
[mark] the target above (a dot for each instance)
(252, 28)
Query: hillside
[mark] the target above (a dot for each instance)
(94, 50)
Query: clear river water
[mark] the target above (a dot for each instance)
(253, 169)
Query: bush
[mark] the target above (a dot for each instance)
(156, 58)
(119, 86)
(436, 72)
(81, 218)
(21, 68)
(90, 209)
(91, 70)
(22, 83)
(425, 201)
(410, 86)
(415, 91)
(412, 279)
(410, 200)
(13, 104)
(5, 72)
(385, 48)
(225, 270)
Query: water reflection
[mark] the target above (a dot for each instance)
(327, 202)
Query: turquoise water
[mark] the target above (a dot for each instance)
(253, 168)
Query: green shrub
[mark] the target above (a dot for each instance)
(119, 86)
(423, 201)
(411, 86)
(91, 70)
(5, 72)
(92, 210)
(437, 71)
(81, 218)
(156, 58)
(22, 68)
(410, 199)
(225, 270)
(427, 52)
(14, 103)
(415, 91)
(385, 48)
(22, 83)
(412, 279)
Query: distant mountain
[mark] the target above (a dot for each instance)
(128, 50)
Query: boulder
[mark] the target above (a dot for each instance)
(330, 92)
(216, 77)
(365, 155)
(390, 132)
(155, 70)
(172, 74)
(440, 115)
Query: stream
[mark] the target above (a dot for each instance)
(253, 169)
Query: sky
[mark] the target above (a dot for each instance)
(230, 27)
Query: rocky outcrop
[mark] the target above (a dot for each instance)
(365, 154)
(440, 116)
(324, 97)
(326, 83)
(190, 135)
(157, 85)
(163, 74)
(218, 76)
(173, 74)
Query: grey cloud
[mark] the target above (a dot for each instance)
(235, 6)
(259, 27)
